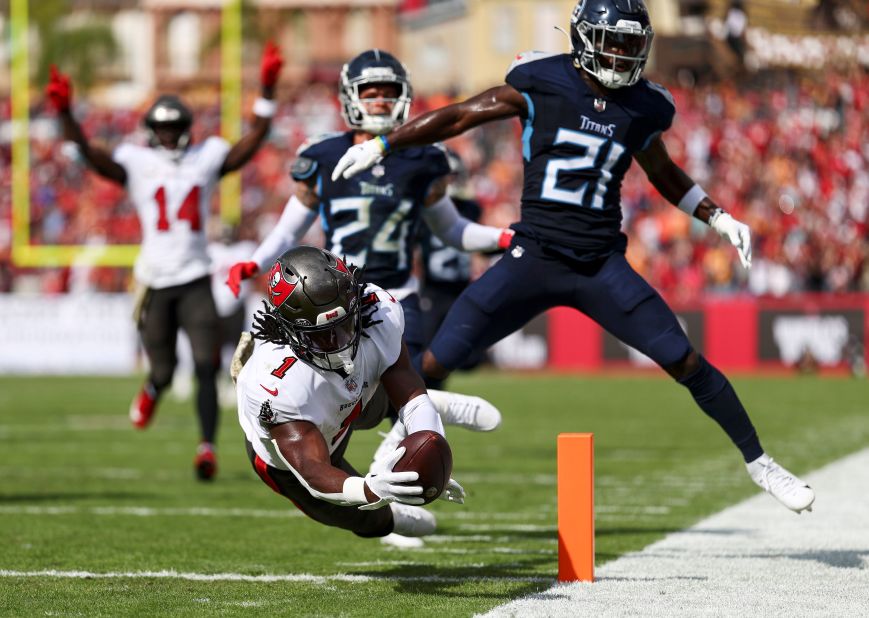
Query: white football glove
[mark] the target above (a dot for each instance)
(453, 492)
(241, 355)
(736, 232)
(392, 486)
(358, 158)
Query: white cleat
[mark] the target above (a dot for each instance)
(402, 542)
(413, 521)
(468, 411)
(781, 484)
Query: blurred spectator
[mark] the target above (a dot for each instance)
(788, 155)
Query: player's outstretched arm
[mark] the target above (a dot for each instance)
(58, 93)
(264, 109)
(302, 448)
(678, 188)
(299, 214)
(435, 126)
(407, 392)
(444, 220)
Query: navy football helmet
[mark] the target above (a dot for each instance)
(168, 114)
(611, 40)
(374, 67)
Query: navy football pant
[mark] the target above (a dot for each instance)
(530, 279)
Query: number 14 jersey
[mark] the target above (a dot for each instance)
(172, 198)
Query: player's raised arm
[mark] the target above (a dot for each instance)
(59, 95)
(678, 188)
(264, 109)
(437, 125)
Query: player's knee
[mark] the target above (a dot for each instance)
(432, 368)
(161, 375)
(689, 364)
(205, 370)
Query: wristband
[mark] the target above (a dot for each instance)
(384, 143)
(354, 490)
(264, 108)
(691, 200)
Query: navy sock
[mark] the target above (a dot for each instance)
(716, 397)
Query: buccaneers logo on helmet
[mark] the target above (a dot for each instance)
(279, 288)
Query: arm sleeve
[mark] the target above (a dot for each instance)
(445, 222)
(419, 414)
(295, 221)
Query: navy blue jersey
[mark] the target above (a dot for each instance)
(442, 264)
(372, 218)
(577, 147)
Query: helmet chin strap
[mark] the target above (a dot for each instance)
(343, 360)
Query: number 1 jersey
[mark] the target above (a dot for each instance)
(172, 199)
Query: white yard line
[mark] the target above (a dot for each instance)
(753, 559)
(242, 577)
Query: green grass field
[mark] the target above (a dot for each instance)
(81, 491)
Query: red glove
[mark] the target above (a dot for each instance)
(271, 65)
(506, 238)
(238, 273)
(58, 91)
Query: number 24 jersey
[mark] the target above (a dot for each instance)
(373, 218)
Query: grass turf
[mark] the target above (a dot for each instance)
(81, 491)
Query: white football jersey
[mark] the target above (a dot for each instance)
(276, 387)
(172, 199)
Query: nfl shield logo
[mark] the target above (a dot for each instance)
(599, 105)
(378, 170)
(351, 384)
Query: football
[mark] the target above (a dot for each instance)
(428, 453)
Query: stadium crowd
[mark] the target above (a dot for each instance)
(790, 157)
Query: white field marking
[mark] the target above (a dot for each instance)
(755, 558)
(477, 551)
(508, 527)
(484, 538)
(147, 511)
(241, 577)
(488, 478)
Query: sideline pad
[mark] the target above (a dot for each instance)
(755, 558)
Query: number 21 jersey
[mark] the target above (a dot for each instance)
(577, 146)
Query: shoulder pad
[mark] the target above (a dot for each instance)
(311, 141)
(303, 168)
(529, 56)
(658, 88)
